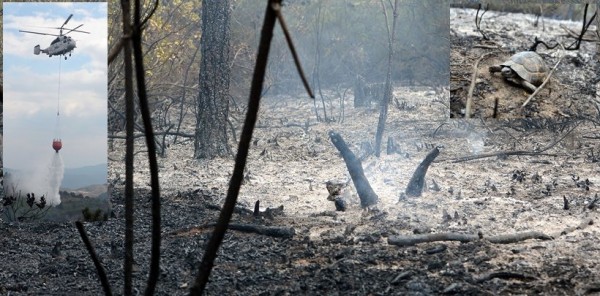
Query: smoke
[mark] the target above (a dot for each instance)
(44, 181)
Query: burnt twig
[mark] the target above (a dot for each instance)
(584, 27)
(277, 9)
(537, 90)
(90, 248)
(478, 20)
(518, 152)
(136, 39)
(114, 52)
(473, 80)
(538, 42)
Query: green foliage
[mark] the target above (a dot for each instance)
(350, 37)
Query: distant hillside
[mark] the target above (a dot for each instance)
(84, 176)
(94, 191)
(75, 178)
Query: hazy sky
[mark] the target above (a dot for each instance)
(31, 85)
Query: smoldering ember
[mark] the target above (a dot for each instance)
(332, 162)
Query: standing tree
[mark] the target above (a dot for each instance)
(213, 101)
(388, 81)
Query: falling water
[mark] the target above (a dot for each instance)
(56, 172)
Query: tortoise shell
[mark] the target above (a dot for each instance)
(528, 65)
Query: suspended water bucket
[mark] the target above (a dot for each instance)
(56, 144)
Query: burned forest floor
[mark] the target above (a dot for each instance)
(570, 90)
(347, 253)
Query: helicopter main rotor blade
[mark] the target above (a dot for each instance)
(75, 30)
(70, 16)
(38, 33)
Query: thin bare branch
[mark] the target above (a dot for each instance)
(129, 150)
(150, 143)
(277, 8)
(539, 88)
(90, 248)
(472, 86)
(237, 177)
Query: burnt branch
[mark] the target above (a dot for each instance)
(411, 240)
(136, 39)
(90, 248)
(506, 276)
(584, 224)
(585, 24)
(277, 9)
(273, 231)
(584, 27)
(538, 42)
(478, 19)
(539, 152)
(367, 196)
(129, 150)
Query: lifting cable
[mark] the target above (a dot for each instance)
(57, 129)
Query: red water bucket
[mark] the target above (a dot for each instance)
(56, 145)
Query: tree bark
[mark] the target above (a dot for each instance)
(237, 177)
(213, 100)
(385, 101)
(367, 196)
(129, 150)
(415, 186)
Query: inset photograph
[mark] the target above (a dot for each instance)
(530, 60)
(55, 152)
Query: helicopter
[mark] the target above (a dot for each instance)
(62, 45)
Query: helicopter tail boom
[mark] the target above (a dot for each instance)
(37, 50)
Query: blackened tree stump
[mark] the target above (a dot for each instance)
(415, 186)
(367, 196)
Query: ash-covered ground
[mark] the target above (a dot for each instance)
(348, 252)
(570, 90)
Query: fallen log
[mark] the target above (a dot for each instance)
(367, 196)
(274, 231)
(517, 237)
(415, 186)
(584, 224)
(410, 240)
(506, 275)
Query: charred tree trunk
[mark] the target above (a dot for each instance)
(385, 101)
(598, 31)
(359, 92)
(213, 101)
(415, 186)
(367, 196)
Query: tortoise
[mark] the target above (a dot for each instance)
(525, 68)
